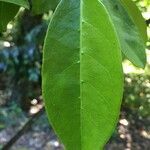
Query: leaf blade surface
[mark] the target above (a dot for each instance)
(7, 13)
(23, 3)
(43, 6)
(132, 44)
(137, 17)
(82, 74)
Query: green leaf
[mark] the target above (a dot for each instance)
(132, 44)
(8, 10)
(137, 17)
(23, 3)
(82, 74)
(7, 13)
(43, 6)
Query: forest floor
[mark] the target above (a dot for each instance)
(34, 132)
(131, 133)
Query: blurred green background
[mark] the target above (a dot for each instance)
(23, 122)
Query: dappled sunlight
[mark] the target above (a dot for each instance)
(145, 134)
(129, 68)
(123, 122)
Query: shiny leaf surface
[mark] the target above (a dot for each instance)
(82, 74)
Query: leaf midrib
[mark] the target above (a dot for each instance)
(80, 58)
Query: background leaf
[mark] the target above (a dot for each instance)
(7, 13)
(43, 6)
(136, 16)
(82, 74)
(132, 44)
(23, 3)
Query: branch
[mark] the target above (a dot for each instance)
(22, 130)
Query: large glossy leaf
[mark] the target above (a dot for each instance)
(23, 3)
(82, 74)
(137, 17)
(43, 6)
(133, 45)
(7, 13)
